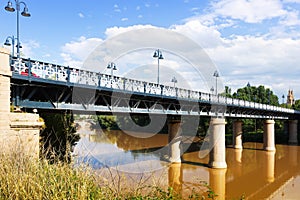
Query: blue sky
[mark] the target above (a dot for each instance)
(256, 41)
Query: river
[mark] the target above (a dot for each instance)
(252, 173)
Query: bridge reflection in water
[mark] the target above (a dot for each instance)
(251, 172)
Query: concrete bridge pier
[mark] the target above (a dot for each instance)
(237, 134)
(19, 132)
(269, 135)
(5, 75)
(217, 153)
(174, 131)
(293, 131)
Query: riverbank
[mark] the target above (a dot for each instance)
(23, 178)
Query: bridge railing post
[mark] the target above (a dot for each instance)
(68, 74)
(161, 90)
(29, 67)
(124, 83)
(145, 87)
(99, 79)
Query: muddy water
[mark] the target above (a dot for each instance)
(252, 173)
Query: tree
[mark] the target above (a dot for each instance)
(59, 136)
(258, 94)
(297, 105)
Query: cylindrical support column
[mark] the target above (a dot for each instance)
(293, 131)
(217, 154)
(174, 131)
(286, 127)
(269, 135)
(217, 182)
(175, 177)
(237, 135)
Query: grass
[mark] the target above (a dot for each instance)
(37, 179)
(26, 178)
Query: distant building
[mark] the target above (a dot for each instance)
(290, 98)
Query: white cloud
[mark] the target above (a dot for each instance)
(291, 1)
(251, 11)
(81, 15)
(113, 31)
(259, 60)
(75, 52)
(204, 35)
(270, 58)
(124, 19)
(116, 8)
(28, 48)
(291, 19)
(194, 9)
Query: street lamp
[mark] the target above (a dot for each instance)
(174, 80)
(248, 86)
(7, 43)
(212, 90)
(112, 66)
(269, 96)
(216, 74)
(158, 54)
(283, 99)
(25, 13)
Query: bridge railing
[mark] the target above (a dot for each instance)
(43, 70)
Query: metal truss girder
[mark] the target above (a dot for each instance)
(48, 97)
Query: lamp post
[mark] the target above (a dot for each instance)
(269, 97)
(216, 74)
(25, 13)
(248, 86)
(7, 43)
(212, 89)
(174, 80)
(112, 66)
(283, 100)
(158, 54)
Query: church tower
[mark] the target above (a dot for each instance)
(290, 98)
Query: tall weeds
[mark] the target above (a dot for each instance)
(23, 178)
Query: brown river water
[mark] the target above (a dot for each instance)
(252, 173)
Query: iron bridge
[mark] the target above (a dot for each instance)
(47, 86)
